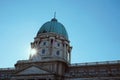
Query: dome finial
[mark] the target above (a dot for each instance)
(54, 14)
(54, 19)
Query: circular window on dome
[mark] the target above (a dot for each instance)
(44, 31)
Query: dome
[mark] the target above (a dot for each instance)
(53, 26)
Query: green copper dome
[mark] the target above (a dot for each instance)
(55, 27)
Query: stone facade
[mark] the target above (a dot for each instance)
(57, 70)
(52, 60)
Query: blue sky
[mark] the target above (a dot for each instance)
(93, 27)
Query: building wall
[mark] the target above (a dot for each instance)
(6, 73)
(51, 46)
(97, 71)
(85, 71)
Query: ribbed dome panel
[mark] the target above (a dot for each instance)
(55, 27)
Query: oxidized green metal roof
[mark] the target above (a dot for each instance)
(53, 26)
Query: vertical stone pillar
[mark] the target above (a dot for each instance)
(65, 52)
(69, 57)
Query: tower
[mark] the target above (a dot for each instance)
(51, 43)
(52, 54)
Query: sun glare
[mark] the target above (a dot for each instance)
(33, 51)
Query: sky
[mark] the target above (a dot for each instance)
(93, 28)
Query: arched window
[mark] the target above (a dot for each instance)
(51, 41)
(44, 43)
(43, 51)
(58, 44)
(58, 53)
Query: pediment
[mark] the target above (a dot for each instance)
(32, 70)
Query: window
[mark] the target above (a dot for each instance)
(44, 43)
(43, 51)
(58, 44)
(58, 53)
(51, 41)
(63, 45)
(44, 31)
